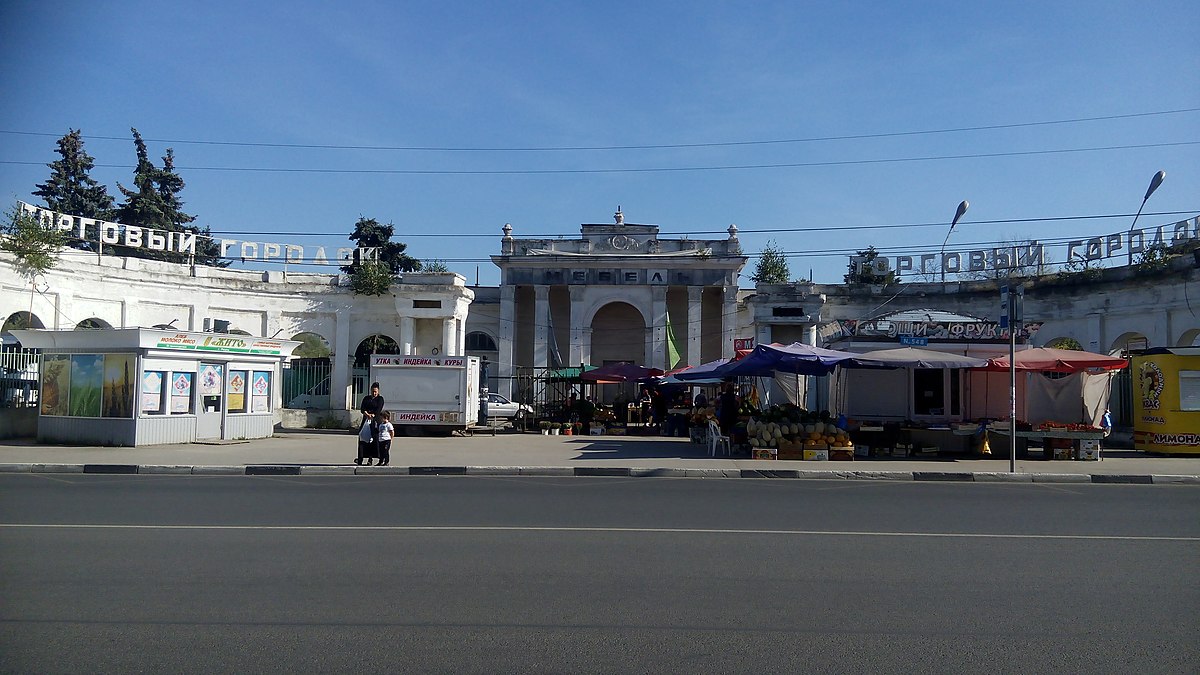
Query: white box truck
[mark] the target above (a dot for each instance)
(429, 393)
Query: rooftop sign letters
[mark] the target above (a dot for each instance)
(133, 236)
(1032, 254)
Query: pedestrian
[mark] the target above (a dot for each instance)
(727, 409)
(384, 437)
(587, 413)
(372, 405)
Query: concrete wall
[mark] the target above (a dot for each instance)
(18, 423)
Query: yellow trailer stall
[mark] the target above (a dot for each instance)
(1166, 397)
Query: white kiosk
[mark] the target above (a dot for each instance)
(138, 386)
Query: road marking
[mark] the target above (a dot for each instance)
(598, 530)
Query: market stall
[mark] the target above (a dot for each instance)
(1065, 411)
(139, 386)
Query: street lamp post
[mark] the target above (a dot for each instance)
(962, 208)
(1154, 183)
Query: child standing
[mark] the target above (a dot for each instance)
(384, 437)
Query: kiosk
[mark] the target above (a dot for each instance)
(139, 386)
(1166, 396)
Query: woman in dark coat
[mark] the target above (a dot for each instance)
(372, 405)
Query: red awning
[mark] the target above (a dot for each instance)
(1049, 360)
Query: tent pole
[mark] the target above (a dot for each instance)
(1012, 396)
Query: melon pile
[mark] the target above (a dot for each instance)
(796, 434)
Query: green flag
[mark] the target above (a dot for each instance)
(674, 354)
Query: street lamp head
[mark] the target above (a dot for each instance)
(962, 208)
(1154, 183)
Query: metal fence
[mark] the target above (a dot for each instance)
(19, 377)
(305, 383)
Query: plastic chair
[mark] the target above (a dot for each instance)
(717, 441)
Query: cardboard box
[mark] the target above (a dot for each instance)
(1089, 450)
(596, 431)
(816, 455)
(764, 453)
(927, 451)
(862, 451)
(841, 454)
(616, 431)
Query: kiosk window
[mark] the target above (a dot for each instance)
(154, 394)
(1189, 390)
(260, 391)
(181, 393)
(236, 393)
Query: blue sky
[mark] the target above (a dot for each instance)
(481, 76)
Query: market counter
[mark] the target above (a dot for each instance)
(1085, 445)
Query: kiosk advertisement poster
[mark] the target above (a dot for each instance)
(181, 393)
(152, 382)
(260, 390)
(237, 391)
(118, 391)
(211, 376)
(87, 383)
(56, 384)
(1167, 403)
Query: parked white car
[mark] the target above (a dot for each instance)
(498, 406)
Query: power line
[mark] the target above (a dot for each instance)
(741, 230)
(655, 146)
(659, 169)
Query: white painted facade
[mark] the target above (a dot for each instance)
(424, 314)
(604, 296)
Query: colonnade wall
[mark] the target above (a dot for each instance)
(1109, 310)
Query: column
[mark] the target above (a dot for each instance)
(541, 326)
(763, 336)
(407, 334)
(342, 360)
(587, 347)
(1095, 334)
(694, 325)
(810, 335)
(728, 320)
(504, 342)
(575, 350)
(657, 358)
(449, 339)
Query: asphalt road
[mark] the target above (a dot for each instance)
(489, 574)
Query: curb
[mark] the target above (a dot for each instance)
(601, 471)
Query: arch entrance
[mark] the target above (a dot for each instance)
(618, 334)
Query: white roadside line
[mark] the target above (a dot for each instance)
(648, 530)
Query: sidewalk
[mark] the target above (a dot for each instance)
(506, 453)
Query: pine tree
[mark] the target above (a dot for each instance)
(772, 266)
(154, 203)
(71, 190)
(370, 233)
(861, 272)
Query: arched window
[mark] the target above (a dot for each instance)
(312, 346)
(21, 320)
(374, 344)
(93, 324)
(478, 341)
